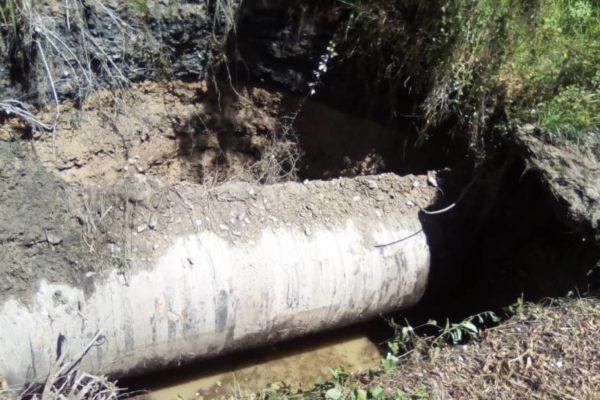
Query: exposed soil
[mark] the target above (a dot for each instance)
(38, 234)
(174, 131)
(572, 173)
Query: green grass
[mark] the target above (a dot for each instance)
(529, 61)
(8, 15)
(141, 5)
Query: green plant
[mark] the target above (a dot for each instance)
(141, 5)
(484, 61)
(463, 331)
(515, 308)
(339, 375)
(420, 392)
(406, 337)
(8, 14)
(389, 363)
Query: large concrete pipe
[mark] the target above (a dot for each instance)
(299, 258)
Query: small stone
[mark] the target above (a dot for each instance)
(223, 227)
(356, 198)
(236, 233)
(154, 222)
(141, 228)
(53, 239)
(372, 185)
(415, 184)
(156, 246)
(307, 231)
(410, 203)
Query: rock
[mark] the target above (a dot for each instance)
(53, 238)
(153, 222)
(431, 179)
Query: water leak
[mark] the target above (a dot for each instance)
(297, 363)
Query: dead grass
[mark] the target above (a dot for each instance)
(66, 381)
(544, 352)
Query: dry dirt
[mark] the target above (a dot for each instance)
(177, 131)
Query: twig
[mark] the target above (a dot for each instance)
(68, 368)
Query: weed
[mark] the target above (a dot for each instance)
(407, 338)
(514, 308)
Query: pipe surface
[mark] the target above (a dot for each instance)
(204, 293)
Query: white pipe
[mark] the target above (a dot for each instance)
(206, 295)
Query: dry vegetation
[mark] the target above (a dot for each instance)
(547, 351)
(66, 381)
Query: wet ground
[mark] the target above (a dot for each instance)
(296, 363)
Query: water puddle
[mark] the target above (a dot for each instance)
(297, 363)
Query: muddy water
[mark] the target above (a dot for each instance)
(297, 363)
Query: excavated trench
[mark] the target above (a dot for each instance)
(505, 237)
(128, 216)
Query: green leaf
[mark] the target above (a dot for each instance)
(359, 394)
(389, 365)
(376, 392)
(470, 326)
(333, 394)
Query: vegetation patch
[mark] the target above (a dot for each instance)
(486, 61)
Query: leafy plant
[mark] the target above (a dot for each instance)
(514, 308)
(465, 330)
(407, 338)
(339, 375)
(389, 363)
